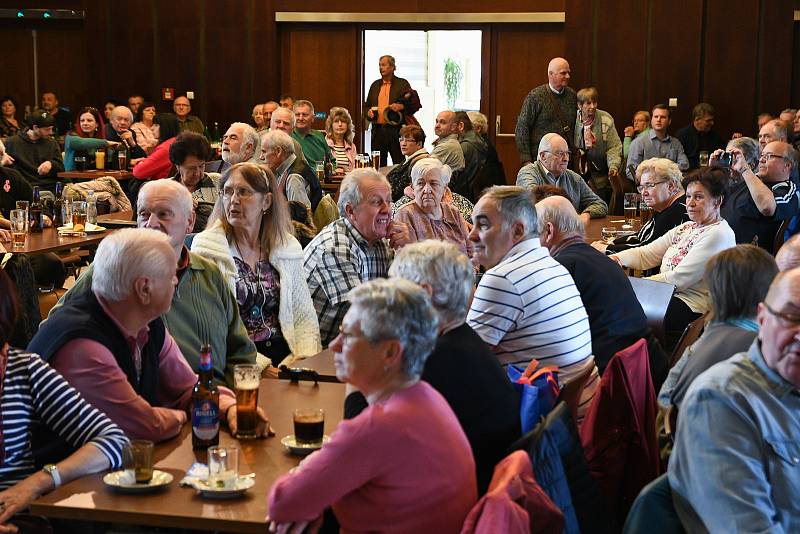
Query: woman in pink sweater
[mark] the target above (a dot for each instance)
(404, 464)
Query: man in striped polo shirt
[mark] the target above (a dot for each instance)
(526, 305)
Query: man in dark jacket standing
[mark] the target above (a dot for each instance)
(384, 93)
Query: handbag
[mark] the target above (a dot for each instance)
(537, 393)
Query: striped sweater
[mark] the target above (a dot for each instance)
(33, 392)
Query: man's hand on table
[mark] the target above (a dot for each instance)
(263, 428)
(44, 168)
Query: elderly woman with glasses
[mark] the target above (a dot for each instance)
(250, 238)
(404, 463)
(427, 216)
(683, 251)
(660, 186)
(189, 154)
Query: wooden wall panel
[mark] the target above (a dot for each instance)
(520, 64)
(322, 64)
(729, 72)
(420, 6)
(17, 79)
(795, 91)
(675, 31)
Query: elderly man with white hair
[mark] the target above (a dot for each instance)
(120, 132)
(277, 152)
(354, 248)
(551, 168)
(615, 316)
(240, 143)
(427, 217)
(460, 357)
(526, 305)
(111, 343)
(203, 308)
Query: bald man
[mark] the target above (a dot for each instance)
(788, 257)
(551, 107)
(182, 108)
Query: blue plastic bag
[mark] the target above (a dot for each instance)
(537, 394)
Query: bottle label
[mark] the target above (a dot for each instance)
(205, 419)
(205, 361)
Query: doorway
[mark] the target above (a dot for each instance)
(443, 66)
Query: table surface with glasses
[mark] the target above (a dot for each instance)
(50, 241)
(594, 228)
(94, 174)
(89, 499)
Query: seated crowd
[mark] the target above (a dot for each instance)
(431, 278)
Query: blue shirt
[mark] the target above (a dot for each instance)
(648, 145)
(736, 462)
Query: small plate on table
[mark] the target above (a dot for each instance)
(89, 229)
(122, 481)
(242, 484)
(303, 449)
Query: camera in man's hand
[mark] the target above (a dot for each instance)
(725, 159)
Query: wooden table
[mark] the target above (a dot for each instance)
(88, 498)
(50, 241)
(95, 174)
(594, 228)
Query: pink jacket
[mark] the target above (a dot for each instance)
(514, 504)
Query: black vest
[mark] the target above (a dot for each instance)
(83, 317)
(301, 167)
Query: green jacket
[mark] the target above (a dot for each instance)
(201, 305)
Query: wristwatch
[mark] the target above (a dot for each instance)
(52, 470)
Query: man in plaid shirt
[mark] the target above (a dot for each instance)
(352, 249)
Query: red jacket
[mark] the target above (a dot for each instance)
(514, 504)
(156, 165)
(619, 431)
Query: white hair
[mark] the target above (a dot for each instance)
(546, 144)
(122, 109)
(249, 136)
(443, 267)
(177, 193)
(560, 212)
(278, 139)
(128, 254)
(515, 204)
(350, 192)
(428, 165)
(479, 120)
(399, 310)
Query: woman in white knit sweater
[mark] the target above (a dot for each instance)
(249, 237)
(683, 252)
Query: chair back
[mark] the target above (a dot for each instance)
(653, 511)
(690, 335)
(780, 235)
(326, 212)
(654, 298)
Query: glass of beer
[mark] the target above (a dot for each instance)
(19, 228)
(309, 426)
(245, 380)
(223, 467)
(703, 158)
(631, 203)
(138, 460)
(100, 160)
(78, 215)
(645, 213)
(376, 159)
(122, 155)
(608, 233)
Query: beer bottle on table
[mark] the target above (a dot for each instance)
(205, 404)
(58, 216)
(36, 213)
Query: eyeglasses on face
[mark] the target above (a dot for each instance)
(766, 156)
(649, 187)
(560, 154)
(242, 192)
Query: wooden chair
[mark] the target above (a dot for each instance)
(654, 298)
(571, 391)
(690, 334)
(779, 236)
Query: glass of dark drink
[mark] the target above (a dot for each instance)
(245, 381)
(138, 460)
(80, 163)
(309, 426)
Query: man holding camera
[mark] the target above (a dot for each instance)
(756, 207)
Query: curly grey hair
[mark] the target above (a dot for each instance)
(349, 190)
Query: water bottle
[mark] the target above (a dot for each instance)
(91, 208)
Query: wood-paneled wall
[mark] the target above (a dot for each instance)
(743, 56)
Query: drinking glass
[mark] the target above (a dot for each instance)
(645, 213)
(309, 425)
(245, 381)
(703, 158)
(631, 203)
(78, 214)
(608, 233)
(223, 467)
(138, 460)
(80, 163)
(100, 160)
(376, 159)
(19, 227)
